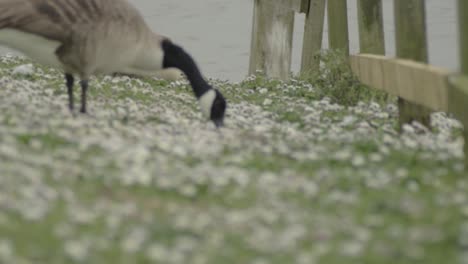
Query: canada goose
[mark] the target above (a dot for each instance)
(87, 37)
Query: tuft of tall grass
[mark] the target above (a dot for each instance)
(334, 79)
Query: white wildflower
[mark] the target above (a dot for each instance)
(25, 69)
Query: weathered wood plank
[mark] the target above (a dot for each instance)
(463, 29)
(371, 30)
(272, 36)
(411, 43)
(305, 6)
(411, 33)
(415, 82)
(338, 33)
(313, 35)
(294, 5)
(458, 96)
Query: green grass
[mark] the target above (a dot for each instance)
(334, 79)
(307, 171)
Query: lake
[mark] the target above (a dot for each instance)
(217, 32)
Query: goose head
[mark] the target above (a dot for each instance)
(213, 106)
(212, 102)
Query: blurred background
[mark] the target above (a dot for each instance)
(218, 32)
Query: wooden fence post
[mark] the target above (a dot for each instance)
(459, 93)
(371, 30)
(313, 35)
(338, 37)
(411, 43)
(458, 98)
(272, 36)
(463, 27)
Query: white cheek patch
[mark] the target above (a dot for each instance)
(206, 102)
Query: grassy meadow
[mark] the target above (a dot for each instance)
(312, 170)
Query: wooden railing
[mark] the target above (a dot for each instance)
(421, 88)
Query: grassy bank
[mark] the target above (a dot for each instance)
(298, 175)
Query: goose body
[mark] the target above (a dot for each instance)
(43, 50)
(89, 37)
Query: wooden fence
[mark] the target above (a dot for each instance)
(421, 88)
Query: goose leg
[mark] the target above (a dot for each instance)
(70, 81)
(84, 90)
